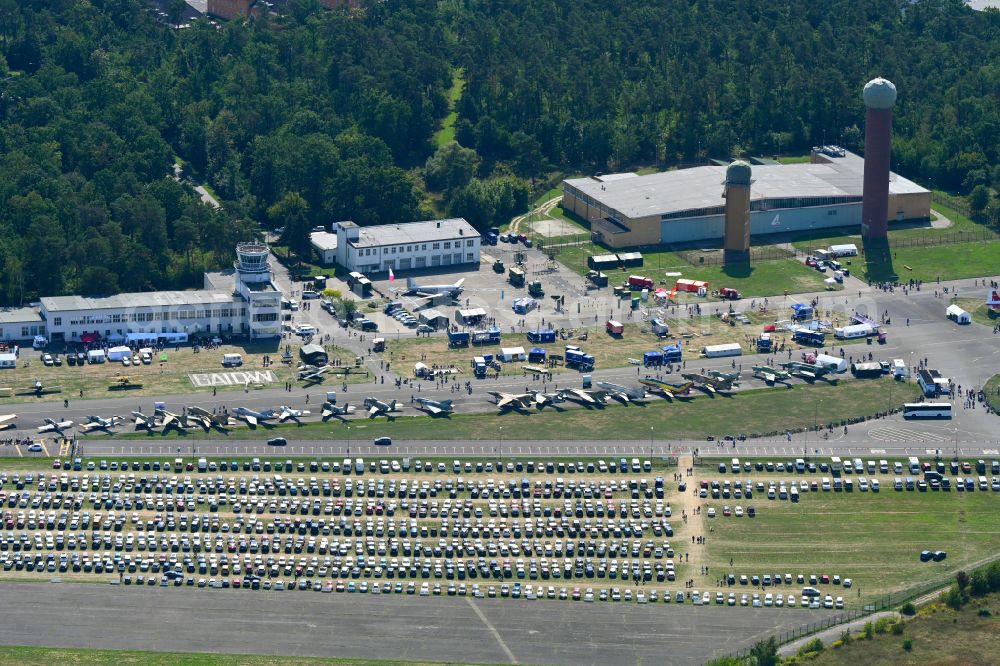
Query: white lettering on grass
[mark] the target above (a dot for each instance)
(203, 380)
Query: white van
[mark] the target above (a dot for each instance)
(232, 360)
(899, 369)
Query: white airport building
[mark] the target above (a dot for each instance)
(243, 301)
(430, 244)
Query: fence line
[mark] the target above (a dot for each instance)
(881, 603)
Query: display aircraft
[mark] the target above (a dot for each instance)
(287, 413)
(99, 423)
(332, 410)
(708, 384)
(536, 369)
(511, 400)
(143, 422)
(666, 388)
(38, 389)
(378, 408)
(806, 370)
(57, 427)
(253, 417)
(206, 419)
(769, 374)
(541, 399)
(452, 290)
(584, 397)
(124, 382)
(312, 374)
(623, 393)
(170, 420)
(433, 407)
(7, 421)
(734, 377)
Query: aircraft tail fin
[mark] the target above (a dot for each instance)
(411, 283)
(446, 404)
(458, 284)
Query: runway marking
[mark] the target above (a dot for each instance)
(17, 447)
(45, 449)
(890, 434)
(991, 452)
(64, 448)
(493, 630)
(874, 451)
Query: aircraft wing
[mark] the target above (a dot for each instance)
(433, 409)
(252, 420)
(7, 420)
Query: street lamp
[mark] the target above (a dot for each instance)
(348, 441)
(501, 443)
(650, 445)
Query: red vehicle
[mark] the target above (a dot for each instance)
(640, 282)
(730, 294)
(614, 327)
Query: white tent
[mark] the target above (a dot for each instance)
(420, 369)
(118, 353)
(8, 360)
(958, 315)
(509, 354)
(835, 363)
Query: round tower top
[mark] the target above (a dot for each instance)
(880, 94)
(738, 173)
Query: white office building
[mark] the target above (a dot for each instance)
(243, 301)
(324, 244)
(430, 244)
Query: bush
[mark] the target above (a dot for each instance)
(869, 631)
(883, 625)
(814, 646)
(908, 609)
(984, 612)
(845, 637)
(897, 628)
(908, 645)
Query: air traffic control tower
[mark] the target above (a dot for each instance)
(880, 96)
(736, 244)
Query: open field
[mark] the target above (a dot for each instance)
(693, 333)
(873, 538)
(981, 314)
(938, 635)
(446, 134)
(763, 278)
(163, 376)
(45, 656)
(751, 411)
(947, 262)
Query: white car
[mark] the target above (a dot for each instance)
(791, 600)
(126, 361)
(828, 601)
(711, 512)
(768, 599)
(739, 511)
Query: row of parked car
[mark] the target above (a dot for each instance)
(514, 591)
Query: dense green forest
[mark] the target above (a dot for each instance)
(315, 116)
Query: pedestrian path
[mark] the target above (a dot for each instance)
(894, 434)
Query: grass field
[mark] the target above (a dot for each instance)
(168, 376)
(45, 656)
(608, 352)
(794, 159)
(874, 538)
(992, 390)
(764, 278)
(947, 262)
(938, 635)
(752, 411)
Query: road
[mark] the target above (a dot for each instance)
(382, 627)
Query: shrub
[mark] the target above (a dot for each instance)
(984, 612)
(883, 625)
(869, 631)
(962, 578)
(908, 609)
(812, 647)
(845, 637)
(908, 645)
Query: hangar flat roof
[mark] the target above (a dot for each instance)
(415, 232)
(148, 299)
(702, 187)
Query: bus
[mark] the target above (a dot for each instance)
(927, 410)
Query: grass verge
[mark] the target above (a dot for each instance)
(992, 390)
(45, 656)
(752, 411)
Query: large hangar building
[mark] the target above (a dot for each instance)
(685, 205)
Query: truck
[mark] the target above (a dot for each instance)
(640, 282)
(479, 366)
(614, 327)
(801, 312)
(660, 327)
(498, 266)
(525, 305)
(914, 465)
(765, 344)
(458, 338)
(899, 369)
(535, 289)
(203, 465)
(672, 354)
(807, 337)
(516, 276)
(577, 358)
(597, 278)
(730, 294)
(542, 336)
(232, 360)
(716, 351)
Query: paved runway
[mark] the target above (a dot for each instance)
(383, 627)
